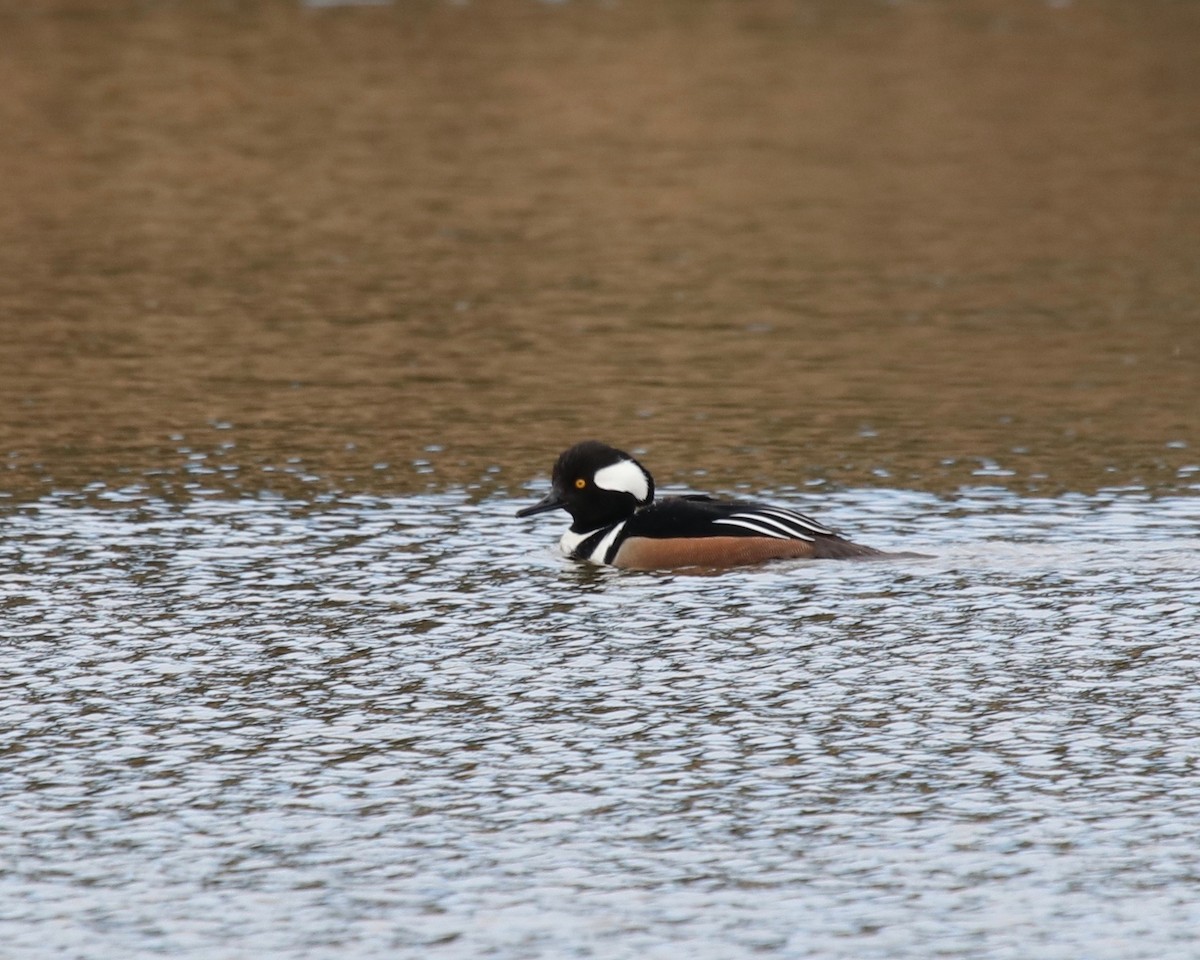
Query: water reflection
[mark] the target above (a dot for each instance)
(374, 725)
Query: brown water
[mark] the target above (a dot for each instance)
(297, 305)
(782, 241)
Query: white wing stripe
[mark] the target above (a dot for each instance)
(766, 531)
(799, 519)
(789, 529)
(776, 523)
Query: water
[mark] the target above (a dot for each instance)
(388, 727)
(298, 303)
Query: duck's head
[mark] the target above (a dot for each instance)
(597, 485)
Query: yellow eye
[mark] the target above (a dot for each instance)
(580, 483)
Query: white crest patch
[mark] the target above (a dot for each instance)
(624, 477)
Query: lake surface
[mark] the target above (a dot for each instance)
(297, 307)
(378, 727)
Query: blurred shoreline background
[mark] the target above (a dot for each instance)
(262, 246)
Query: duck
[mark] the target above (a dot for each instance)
(616, 520)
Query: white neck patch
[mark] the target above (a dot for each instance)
(570, 542)
(624, 477)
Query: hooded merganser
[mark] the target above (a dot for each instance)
(617, 522)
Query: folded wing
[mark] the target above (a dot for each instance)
(700, 516)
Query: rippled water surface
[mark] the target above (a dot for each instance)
(371, 727)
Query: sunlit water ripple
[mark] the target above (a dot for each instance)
(376, 728)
